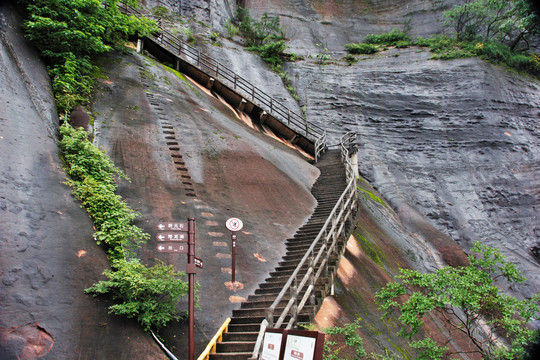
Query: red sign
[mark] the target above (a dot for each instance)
(178, 248)
(172, 226)
(171, 236)
(198, 262)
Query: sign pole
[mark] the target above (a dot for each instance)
(233, 237)
(191, 274)
(234, 225)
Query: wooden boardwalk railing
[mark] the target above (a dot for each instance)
(333, 230)
(214, 68)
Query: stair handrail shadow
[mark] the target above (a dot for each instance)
(332, 231)
(214, 68)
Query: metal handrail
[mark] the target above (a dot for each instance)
(214, 68)
(332, 230)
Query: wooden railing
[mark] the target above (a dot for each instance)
(219, 71)
(317, 261)
(320, 146)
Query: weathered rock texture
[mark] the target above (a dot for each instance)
(190, 155)
(47, 253)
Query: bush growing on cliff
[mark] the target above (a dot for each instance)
(69, 33)
(465, 296)
(361, 48)
(149, 294)
(390, 39)
(510, 22)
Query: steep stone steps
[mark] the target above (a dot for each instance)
(239, 342)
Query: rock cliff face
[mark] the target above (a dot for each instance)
(454, 141)
(47, 254)
(452, 146)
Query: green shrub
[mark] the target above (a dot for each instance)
(69, 33)
(351, 59)
(257, 33)
(403, 44)
(452, 54)
(271, 53)
(361, 48)
(92, 179)
(189, 37)
(423, 42)
(149, 294)
(232, 30)
(389, 39)
(473, 290)
(160, 11)
(494, 51)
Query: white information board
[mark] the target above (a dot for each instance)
(271, 346)
(299, 348)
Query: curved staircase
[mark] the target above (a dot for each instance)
(238, 343)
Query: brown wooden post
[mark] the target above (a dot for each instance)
(233, 237)
(190, 269)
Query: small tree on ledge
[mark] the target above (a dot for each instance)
(465, 297)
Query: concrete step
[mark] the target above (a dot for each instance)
(235, 346)
(240, 336)
(230, 356)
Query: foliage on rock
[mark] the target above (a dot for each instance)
(149, 294)
(465, 297)
(354, 345)
(92, 179)
(513, 23)
(69, 33)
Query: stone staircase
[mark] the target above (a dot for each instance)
(238, 343)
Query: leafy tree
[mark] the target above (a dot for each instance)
(261, 32)
(149, 294)
(353, 342)
(463, 297)
(513, 22)
(69, 33)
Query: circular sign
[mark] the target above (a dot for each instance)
(234, 224)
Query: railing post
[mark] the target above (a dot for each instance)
(252, 93)
(235, 80)
(289, 116)
(307, 128)
(199, 58)
(271, 104)
(294, 295)
(217, 70)
(312, 280)
(270, 317)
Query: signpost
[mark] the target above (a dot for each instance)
(174, 241)
(234, 225)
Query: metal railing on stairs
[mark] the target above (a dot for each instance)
(318, 261)
(219, 71)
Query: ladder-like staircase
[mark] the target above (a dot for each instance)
(238, 343)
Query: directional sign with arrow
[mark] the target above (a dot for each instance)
(172, 226)
(171, 236)
(172, 248)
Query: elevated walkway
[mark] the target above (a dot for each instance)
(264, 111)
